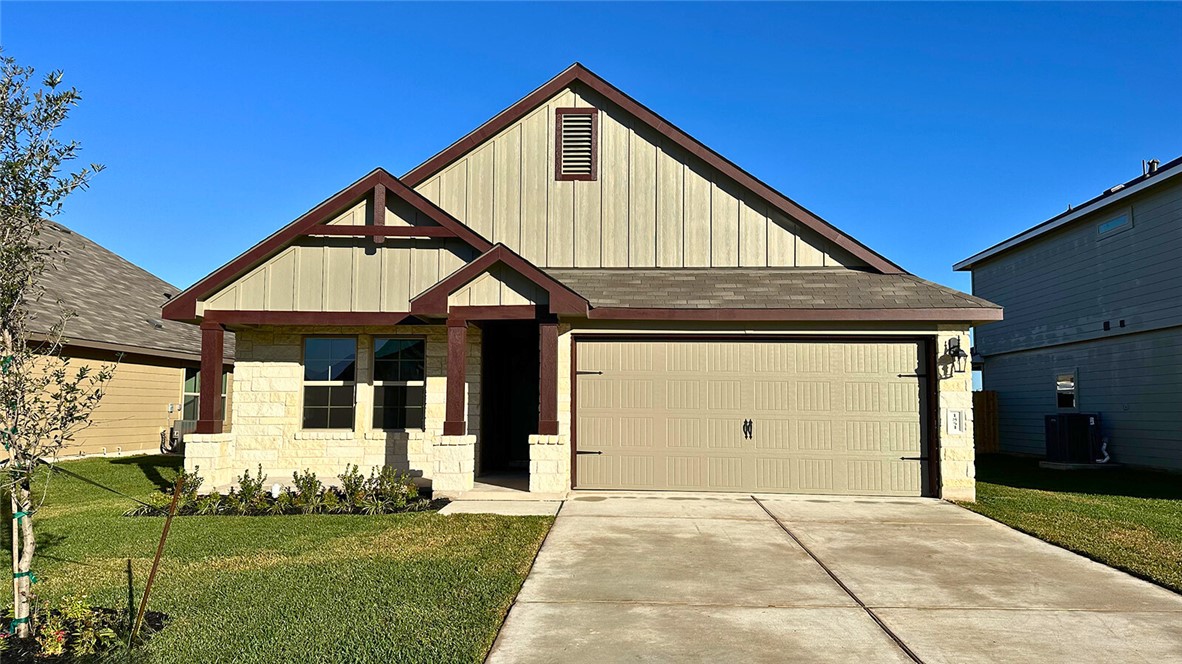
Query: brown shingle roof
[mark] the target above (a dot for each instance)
(116, 302)
(761, 288)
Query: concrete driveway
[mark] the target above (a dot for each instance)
(686, 578)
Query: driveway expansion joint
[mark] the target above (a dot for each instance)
(870, 612)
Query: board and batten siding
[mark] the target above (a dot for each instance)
(1062, 287)
(1133, 381)
(652, 204)
(342, 274)
(498, 286)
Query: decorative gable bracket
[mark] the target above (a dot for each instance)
(436, 301)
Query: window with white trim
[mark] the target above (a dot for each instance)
(330, 370)
(1065, 389)
(399, 383)
(191, 394)
(1115, 225)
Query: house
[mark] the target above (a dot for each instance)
(1093, 301)
(581, 293)
(115, 309)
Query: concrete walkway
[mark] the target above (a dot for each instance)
(687, 578)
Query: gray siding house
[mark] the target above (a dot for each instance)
(1093, 320)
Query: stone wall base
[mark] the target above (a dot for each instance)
(455, 465)
(211, 455)
(220, 459)
(549, 464)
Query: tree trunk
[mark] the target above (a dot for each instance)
(23, 545)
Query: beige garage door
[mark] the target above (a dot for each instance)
(824, 417)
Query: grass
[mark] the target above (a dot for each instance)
(1129, 519)
(416, 587)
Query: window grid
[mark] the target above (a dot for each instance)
(191, 394)
(330, 368)
(399, 380)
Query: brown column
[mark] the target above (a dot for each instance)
(548, 378)
(209, 415)
(457, 368)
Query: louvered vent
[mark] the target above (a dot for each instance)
(577, 154)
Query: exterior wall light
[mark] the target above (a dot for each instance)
(960, 358)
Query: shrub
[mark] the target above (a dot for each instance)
(386, 491)
(71, 631)
(352, 487)
(309, 492)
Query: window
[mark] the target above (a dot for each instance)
(1065, 390)
(191, 394)
(330, 367)
(576, 152)
(1115, 225)
(399, 383)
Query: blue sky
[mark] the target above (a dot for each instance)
(927, 131)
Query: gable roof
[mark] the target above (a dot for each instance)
(116, 304)
(770, 294)
(1108, 197)
(377, 183)
(563, 300)
(577, 73)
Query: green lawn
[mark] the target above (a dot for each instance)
(417, 587)
(1129, 519)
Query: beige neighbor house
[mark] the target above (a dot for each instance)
(1093, 298)
(115, 309)
(582, 294)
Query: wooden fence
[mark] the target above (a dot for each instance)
(985, 438)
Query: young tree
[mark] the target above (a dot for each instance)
(43, 400)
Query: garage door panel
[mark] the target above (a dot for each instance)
(811, 396)
(724, 395)
(617, 470)
(827, 417)
(724, 433)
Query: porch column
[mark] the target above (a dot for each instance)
(209, 411)
(548, 378)
(457, 361)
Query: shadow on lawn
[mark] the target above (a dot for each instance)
(153, 467)
(1024, 473)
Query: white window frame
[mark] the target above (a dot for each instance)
(1127, 213)
(1074, 373)
(397, 383)
(305, 383)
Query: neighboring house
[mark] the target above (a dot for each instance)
(1093, 301)
(579, 291)
(116, 319)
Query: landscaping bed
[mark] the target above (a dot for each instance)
(409, 587)
(1129, 519)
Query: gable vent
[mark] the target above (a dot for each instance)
(577, 152)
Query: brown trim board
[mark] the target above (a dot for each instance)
(183, 307)
(967, 314)
(379, 231)
(577, 73)
(336, 318)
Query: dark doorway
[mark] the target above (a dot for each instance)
(509, 395)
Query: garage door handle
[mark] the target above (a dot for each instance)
(913, 458)
(748, 428)
(588, 452)
(588, 373)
